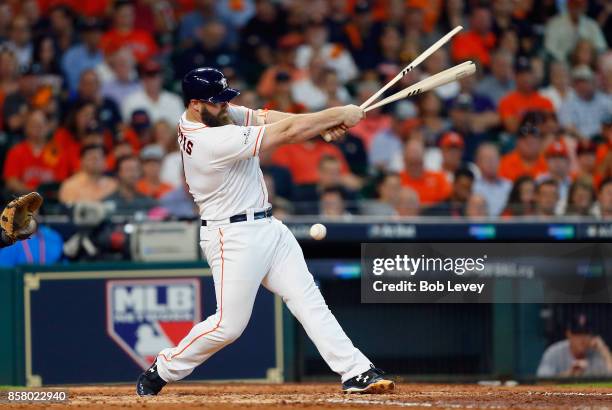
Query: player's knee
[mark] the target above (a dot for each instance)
(232, 333)
(232, 327)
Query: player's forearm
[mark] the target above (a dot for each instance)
(272, 116)
(302, 127)
(307, 126)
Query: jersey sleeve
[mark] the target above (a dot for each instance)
(237, 143)
(246, 117)
(240, 115)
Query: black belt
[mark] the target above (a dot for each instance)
(243, 217)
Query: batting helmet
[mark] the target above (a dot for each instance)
(207, 84)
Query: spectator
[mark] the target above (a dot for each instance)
(451, 147)
(564, 30)
(559, 90)
(454, 206)
(490, 185)
(140, 132)
(584, 112)
(432, 123)
(189, 29)
(582, 353)
(264, 28)
(388, 143)
(126, 199)
(333, 55)
(121, 82)
(604, 199)
(45, 61)
(123, 33)
(558, 164)
(151, 184)
(236, 16)
(285, 64)
(61, 19)
(88, 91)
(388, 189)
(435, 63)
(179, 203)
(581, 199)
(34, 161)
(586, 164)
(157, 102)
(281, 98)
(332, 204)
(525, 159)
(390, 49)
(604, 150)
(89, 184)
(20, 41)
(43, 248)
(432, 187)
(330, 175)
(521, 201)
(478, 42)
(602, 12)
(484, 116)
(70, 138)
(408, 204)
(476, 207)
(314, 91)
(584, 54)
(356, 32)
(501, 79)
(463, 121)
(83, 56)
(302, 160)
(508, 41)
(546, 198)
(354, 152)
(9, 73)
(17, 103)
(606, 81)
(283, 181)
(207, 50)
(513, 106)
(375, 121)
(172, 164)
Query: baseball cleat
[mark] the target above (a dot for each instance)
(149, 383)
(370, 381)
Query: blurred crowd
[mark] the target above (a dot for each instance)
(89, 102)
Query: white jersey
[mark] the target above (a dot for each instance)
(222, 164)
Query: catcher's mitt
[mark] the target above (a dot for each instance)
(16, 220)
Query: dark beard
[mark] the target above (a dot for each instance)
(218, 120)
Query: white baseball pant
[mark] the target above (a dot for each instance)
(242, 256)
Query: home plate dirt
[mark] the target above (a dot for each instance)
(316, 396)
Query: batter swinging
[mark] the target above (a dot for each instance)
(244, 245)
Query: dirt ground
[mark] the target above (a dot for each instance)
(316, 396)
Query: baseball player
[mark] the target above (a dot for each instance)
(244, 245)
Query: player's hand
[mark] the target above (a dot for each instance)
(334, 134)
(352, 115)
(578, 367)
(598, 344)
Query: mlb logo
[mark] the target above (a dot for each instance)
(145, 316)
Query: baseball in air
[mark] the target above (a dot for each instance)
(318, 231)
